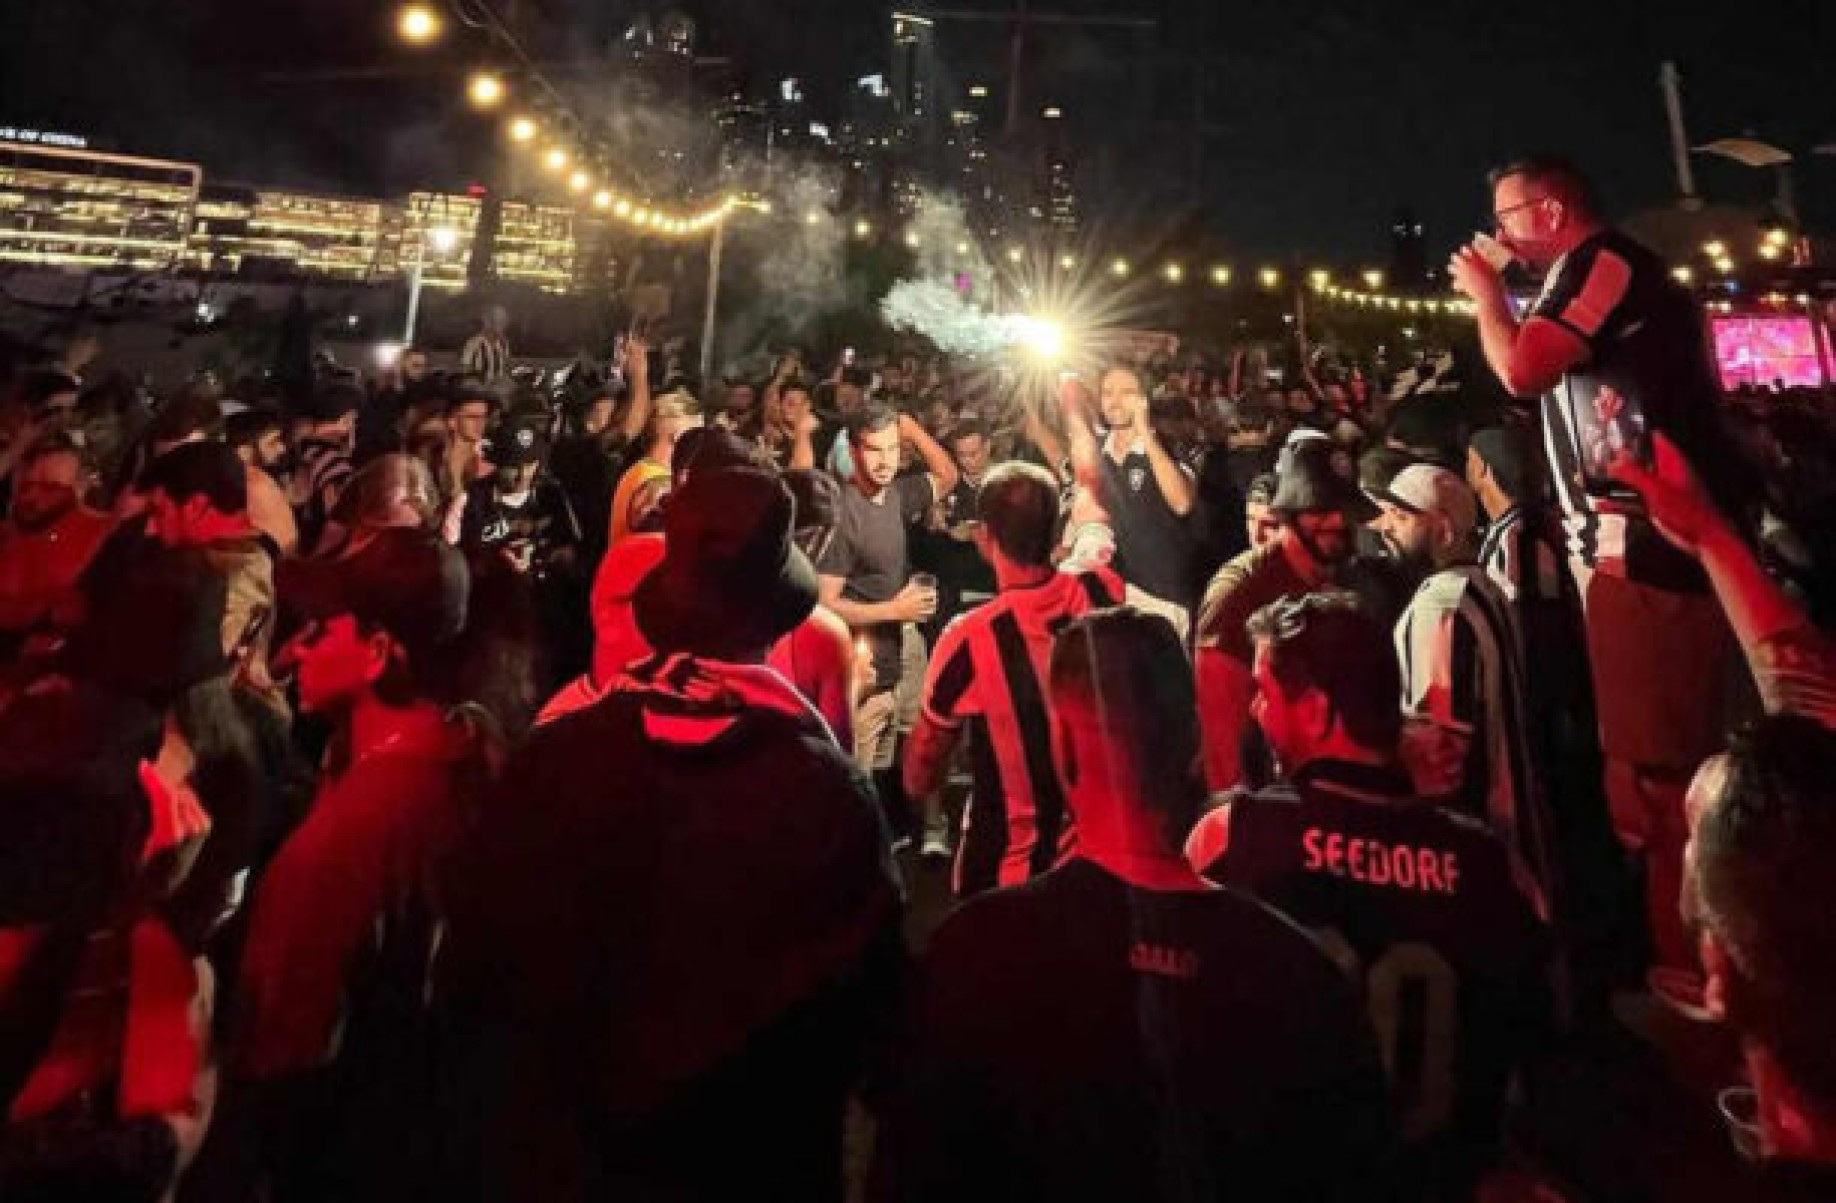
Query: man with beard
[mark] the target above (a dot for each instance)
(1147, 493)
(259, 436)
(1317, 511)
(49, 539)
(1466, 738)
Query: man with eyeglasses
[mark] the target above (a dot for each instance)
(1612, 338)
(1319, 513)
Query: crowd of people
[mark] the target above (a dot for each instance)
(443, 787)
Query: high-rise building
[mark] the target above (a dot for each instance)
(914, 87)
(1061, 207)
(1408, 251)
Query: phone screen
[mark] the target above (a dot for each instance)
(1606, 423)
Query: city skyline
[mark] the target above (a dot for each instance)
(1271, 158)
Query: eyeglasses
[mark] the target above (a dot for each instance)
(1499, 216)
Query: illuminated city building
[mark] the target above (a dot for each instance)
(535, 245)
(76, 208)
(262, 233)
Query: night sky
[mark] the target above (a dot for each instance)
(1321, 116)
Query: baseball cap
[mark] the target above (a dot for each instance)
(203, 468)
(407, 581)
(329, 402)
(1426, 489)
(518, 443)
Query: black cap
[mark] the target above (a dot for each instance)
(1309, 485)
(406, 581)
(518, 442)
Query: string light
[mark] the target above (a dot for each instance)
(1373, 279)
(1174, 273)
(1067, 262)
(556, 159)
(1119, 268)
(524, 129)
(418, 25)
(579, 181)
(1269, 277)
(1319, 278)
(1682, 274)
(602, 199)
(485, 89)
(1220, 275)
(863, 228)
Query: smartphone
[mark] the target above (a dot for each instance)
(1607, 423)
(847, 357)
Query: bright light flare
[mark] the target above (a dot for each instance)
(1043, 338)
(442, 239)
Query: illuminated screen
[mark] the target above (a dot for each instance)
(1760, 350)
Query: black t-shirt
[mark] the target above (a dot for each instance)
(1647, 341)
(1420, 905)
(1080, 1038)
(870, 551)
(584, 464)
(539, 517)
(1153, 544)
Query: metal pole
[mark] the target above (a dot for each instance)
(414, 293)
(713, 303)
(1672, 83)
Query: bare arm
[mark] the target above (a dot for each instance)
(637, 375)
(1039, 432)
(1528, 359)
(1225, 689)
(1174, 481)
(937, 461)
(865, 614)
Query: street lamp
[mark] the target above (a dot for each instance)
(418, 24)
(441, 240)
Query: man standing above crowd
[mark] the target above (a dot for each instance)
(1417, 902)
(989, 672)
(1118, 1028)
(1318, 513)
(1467, 736)
(1609, 322)
(866, 574)
(486, 355)
(1147, 493)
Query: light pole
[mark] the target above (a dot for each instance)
(713, 304)
(441, 240)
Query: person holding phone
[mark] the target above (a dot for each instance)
(1617, 350)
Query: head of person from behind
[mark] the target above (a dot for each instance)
(382, 622)
(1758, 889)
(673, 414)
(875, 438)
(1125, 739)
(1326, 681)
(1542, 207)
(50, 482)
(1018, 509)
(494, 321)
(1122, 397)
(1428, 519)
(1498, 468)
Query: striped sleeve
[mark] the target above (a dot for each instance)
(1588, 289)
(949, 696)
